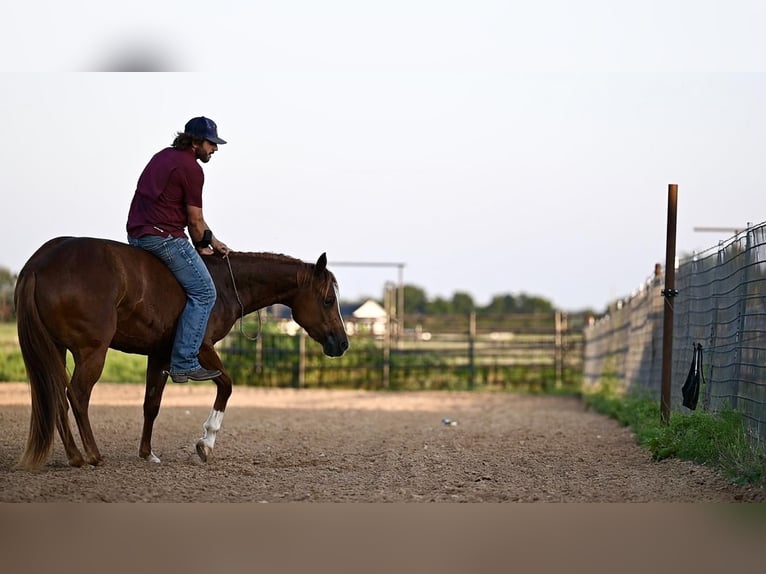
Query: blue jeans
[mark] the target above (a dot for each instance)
(187, 266)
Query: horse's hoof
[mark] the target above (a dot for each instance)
(76, 462)
(94, 459)
(151, 457)
(203, 451)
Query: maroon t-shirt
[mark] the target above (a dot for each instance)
(170, 181)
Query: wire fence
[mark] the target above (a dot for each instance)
(721, 305)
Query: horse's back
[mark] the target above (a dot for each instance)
(62, 251)
(104, 288)
(102, 265)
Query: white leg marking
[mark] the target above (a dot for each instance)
(211, 427)
(152, 458)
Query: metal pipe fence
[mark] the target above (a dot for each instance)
(721, 304)
(538, 352)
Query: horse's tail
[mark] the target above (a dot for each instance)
(46, 371)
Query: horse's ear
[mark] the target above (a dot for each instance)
(321, 264)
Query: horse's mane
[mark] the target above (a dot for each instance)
(304, 273)
(275, 257)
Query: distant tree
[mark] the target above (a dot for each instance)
(6, 277)
(501, 304)
(439, 306)
(462, 303)
(415, 300)
(7, 285)
(504, 304)
(533, 304)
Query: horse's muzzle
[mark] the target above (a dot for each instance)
(335, 346)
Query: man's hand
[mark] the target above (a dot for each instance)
(219, 246)
(215, 246)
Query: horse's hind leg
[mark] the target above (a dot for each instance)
(73, 454)
(155, 385)
(89, 364)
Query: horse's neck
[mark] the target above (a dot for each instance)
(262, 280)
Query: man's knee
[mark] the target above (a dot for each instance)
(205, 295)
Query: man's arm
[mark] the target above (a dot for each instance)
(197, 228)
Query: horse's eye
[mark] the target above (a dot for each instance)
(329, 301)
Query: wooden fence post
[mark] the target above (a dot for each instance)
(744, 288)
(471, 350)
(389, 295)
(300, 380)
(669, 293)
(558, 348)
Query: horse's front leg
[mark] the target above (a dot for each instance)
(210, 360)
(155, 385)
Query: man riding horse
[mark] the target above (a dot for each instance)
(172, 308)
(168, 199)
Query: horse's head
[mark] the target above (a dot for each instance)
(316, 308)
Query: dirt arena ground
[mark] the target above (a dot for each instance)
(284, 445)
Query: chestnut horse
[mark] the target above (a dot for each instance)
(86, 295)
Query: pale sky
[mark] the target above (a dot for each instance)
(492, 147)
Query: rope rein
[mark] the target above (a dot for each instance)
(242, 308)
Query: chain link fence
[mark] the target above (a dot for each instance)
(721, 304)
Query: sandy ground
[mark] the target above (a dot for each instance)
(284, 445)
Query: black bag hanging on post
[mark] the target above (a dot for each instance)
(691, 388)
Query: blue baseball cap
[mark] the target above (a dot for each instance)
(204, 129)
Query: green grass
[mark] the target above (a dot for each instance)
(8, 338)
(11, 363)
(713, 439)
(119, 367)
